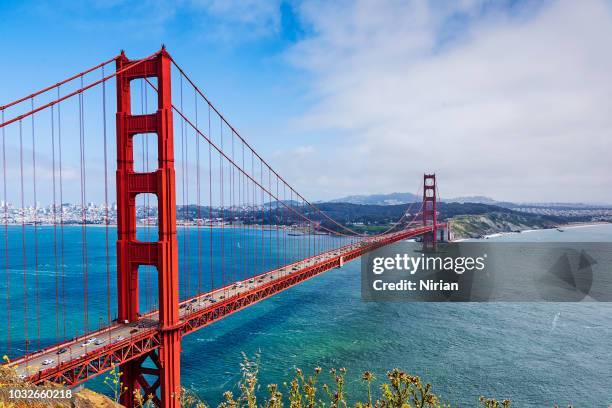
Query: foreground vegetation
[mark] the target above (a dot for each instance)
(399, 390)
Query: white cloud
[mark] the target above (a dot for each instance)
(238, 20)
(516, 105)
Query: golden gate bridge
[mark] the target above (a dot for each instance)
(247, 234)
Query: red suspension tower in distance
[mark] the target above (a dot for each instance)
(162, 254)
(430, 211)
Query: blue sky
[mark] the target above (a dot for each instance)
(233, 63)
(363, 97)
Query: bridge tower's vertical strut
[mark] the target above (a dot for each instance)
(162, 254)
(430, 214)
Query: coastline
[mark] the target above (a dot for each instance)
(570, 225)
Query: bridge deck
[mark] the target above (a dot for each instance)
(83, 358)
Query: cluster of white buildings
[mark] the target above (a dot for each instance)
(50, 214)
(601, 214)
(98, 214)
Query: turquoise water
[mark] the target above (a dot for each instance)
(55, 278)
(536, 354)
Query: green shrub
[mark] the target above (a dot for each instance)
(401, 390)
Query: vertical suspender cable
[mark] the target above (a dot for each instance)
(186, 236)
(310, 236)
(249, 207)
(298, 240)
(233, 213)
(308, 227)
(253, 211)
(230, 214)
(270, 219)
(55, 255)
(199, 202)
(61, 199)
(210, 204)
(277, 222)
(35, 218)
(238, 228)
(235, 263)
(185, 260)
(23, 244)
(106, 221)
(6, 240)
(263, 216)
(83, 212)
(292, 228)
(300, 221)
(243, 207)
(285, 224)
(187, 214)
(61, 196)
(222, 197)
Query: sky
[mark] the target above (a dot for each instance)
(507, 99)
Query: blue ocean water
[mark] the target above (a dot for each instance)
(53, 305)
(536, 354)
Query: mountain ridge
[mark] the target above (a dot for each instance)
(404, 198)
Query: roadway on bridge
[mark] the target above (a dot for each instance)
(119, 332)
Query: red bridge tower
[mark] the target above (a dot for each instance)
(162, 254)
(430, 212)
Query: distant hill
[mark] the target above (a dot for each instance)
(472, 199)
(403, 198)
(379, 199)
(475, 219)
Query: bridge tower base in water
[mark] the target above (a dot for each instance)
(430, 212)
(163, 365)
